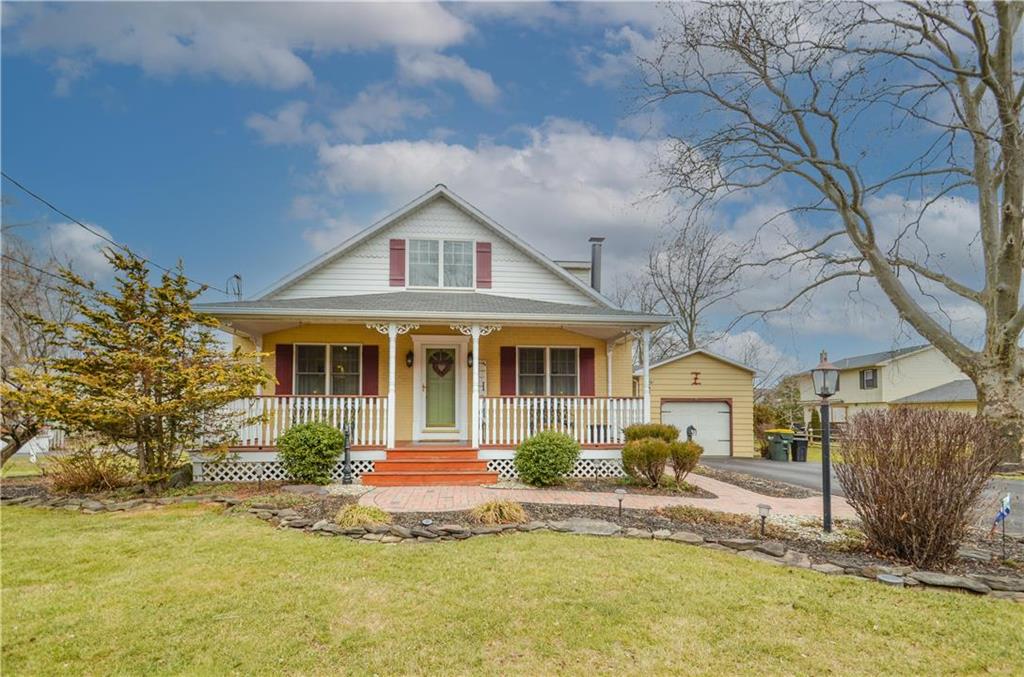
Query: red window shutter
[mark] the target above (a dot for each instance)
(483, 265)
(371, 360)
(397, 263)
(587, 372)
(508, 371)
(283, 354)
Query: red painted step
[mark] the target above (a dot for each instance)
(429, 465)
(396, 479)
(452, 453)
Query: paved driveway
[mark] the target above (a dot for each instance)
(808, 475)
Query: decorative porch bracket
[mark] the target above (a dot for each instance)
(645, 343)
(392, 330)
(476, 331)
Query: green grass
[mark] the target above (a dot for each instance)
(187, 590)
(814, 452)
(20, 466)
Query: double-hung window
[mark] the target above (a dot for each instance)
(548, 371)
(441, 263)
(328, 369)
(868, 379)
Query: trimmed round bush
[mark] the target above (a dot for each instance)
(645, 459)
(546, 458)
(661, 431)
(309, 451)
(685, 456)
(355, 515)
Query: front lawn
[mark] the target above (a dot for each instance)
(20, 465)
(189, 590)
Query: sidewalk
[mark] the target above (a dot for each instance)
(730, 499)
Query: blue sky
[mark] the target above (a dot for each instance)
(248, 138)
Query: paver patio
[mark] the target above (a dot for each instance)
(730, 499)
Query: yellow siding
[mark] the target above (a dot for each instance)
(718, 381)
(489, 353)
(965, 407)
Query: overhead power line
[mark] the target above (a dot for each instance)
(101, 236)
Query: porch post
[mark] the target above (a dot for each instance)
(609, 348)
(474, 332)
(392, 347)
(646, 346)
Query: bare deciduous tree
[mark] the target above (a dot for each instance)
(843, 104)
(27, 291)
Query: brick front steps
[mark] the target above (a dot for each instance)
(430, 465)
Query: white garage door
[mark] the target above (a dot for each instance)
(711, 419)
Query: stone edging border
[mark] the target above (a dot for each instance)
(769, 552)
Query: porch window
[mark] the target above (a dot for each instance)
(313, 364)
(345, 378)
(548, 371)
(564, 379)
(441, 263)
(531, 371)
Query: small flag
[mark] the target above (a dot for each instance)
(1004, 511)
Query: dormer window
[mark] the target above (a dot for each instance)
(441, 263)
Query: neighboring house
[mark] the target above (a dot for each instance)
(915, 376)
(710, 392)
(390, 330)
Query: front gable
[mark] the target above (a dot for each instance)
(367, 264)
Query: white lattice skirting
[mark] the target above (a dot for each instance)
(585, 467)
(256, 471)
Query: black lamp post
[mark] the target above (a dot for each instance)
(825, 378)
(346, 466)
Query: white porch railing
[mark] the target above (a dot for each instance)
(591, 420)
(271, 415)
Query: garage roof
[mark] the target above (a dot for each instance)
(721, 358)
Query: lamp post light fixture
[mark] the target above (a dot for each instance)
(763, 510)
(825, 378)
(620, 494)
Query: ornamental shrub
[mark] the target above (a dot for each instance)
(546, 458)
(915, 478)
(87, 470)
(685, 456)
(661, 431)
(499, 512)
(309, 451)
(645, 459)
(355, 515)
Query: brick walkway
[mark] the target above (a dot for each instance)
(730, 499)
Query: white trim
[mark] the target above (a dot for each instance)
(493, 454)
(440, 190)
(420, 342)
(716, 356)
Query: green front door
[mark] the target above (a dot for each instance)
(440, 391)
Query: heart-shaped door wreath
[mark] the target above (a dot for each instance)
(441, 362)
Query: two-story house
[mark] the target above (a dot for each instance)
(915, 376)
(442, 340)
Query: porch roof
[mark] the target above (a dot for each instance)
(425, 306)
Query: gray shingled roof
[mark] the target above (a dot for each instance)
(421, 302)
(954, 391)
(871, 359)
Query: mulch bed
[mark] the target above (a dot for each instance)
(756, 484)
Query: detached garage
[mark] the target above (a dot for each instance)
(710, 392)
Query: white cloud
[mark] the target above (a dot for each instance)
(754, 350)
(563, 183)
(287, 126)
(378, 109)
(613, 66)
(423, 68)
(257, 43)
(80, 249)
(68, 71)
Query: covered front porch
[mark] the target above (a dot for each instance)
(479, 384)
